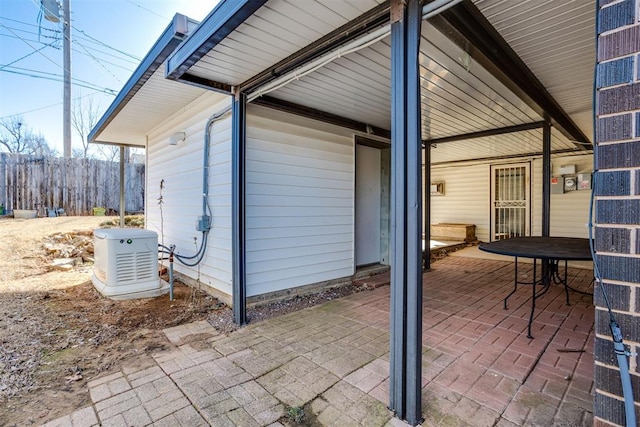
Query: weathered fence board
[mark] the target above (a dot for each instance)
(75, 185)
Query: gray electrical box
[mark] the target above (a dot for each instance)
(203, 223)
(557, 185)
(584, 181)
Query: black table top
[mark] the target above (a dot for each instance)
(569, 248)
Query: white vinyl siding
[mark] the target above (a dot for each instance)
(466, 197)
(569, 211)
(180, 166)
(299, 204)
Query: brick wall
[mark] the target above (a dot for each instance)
(617, 210)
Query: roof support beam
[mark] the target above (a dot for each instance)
(206, 83)
(238, 235)
(315, 114)
(485, 133)
(466, 26)
(537, 154)
(405, 370)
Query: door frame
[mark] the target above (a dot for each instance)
(384, 145)
(492, 196)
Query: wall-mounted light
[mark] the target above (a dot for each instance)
(177, 138)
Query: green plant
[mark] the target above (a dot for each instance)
(295, 413)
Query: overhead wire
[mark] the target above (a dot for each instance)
(57, 78)
(97, 61)
(31, 40)
(84, 50)
(18, 21)
(127, 59)
(148, 10)
(106, 45)
(102, 52)
(28, 44)
(96, 92)
(123, 67)
(2, 66)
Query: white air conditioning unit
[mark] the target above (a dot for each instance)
(126, 263)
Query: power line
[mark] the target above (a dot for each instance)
(106, 45)
(58, 78)
(24, 23)
(75, 39)
(135, 62)
(123, 67)
(97, 61)
(37, 5)
(30, 32)
(87, 84)
(149, 10)
(54, 75)
(49, 106)
(58, 33)
(27, 43)
(23, 57)
(30, 40)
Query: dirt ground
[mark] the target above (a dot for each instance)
(57, 332)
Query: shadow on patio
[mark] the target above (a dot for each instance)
(478, 363)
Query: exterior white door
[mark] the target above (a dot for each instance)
(510, 201)
(367, 208)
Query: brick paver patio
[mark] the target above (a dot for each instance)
(479, 369)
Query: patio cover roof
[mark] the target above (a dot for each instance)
(485, 65)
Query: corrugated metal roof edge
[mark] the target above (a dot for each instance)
(171, 38)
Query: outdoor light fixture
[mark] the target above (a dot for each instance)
(177, 138)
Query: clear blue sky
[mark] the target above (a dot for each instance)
(106, 37)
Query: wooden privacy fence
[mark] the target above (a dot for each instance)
(75, 185)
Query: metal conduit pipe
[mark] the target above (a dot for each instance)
(436, 7)
(204, 220)
(205, 167)
(428, 11)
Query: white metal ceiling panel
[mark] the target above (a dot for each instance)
(277, 30)
(556, 40)
(458, 96)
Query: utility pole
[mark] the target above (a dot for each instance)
(66, 115)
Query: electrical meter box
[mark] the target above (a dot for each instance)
(570, 183)
(126, 263)
(584, 181)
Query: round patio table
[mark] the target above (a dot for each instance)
(550, 251)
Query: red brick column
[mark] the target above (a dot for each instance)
(617, 208)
